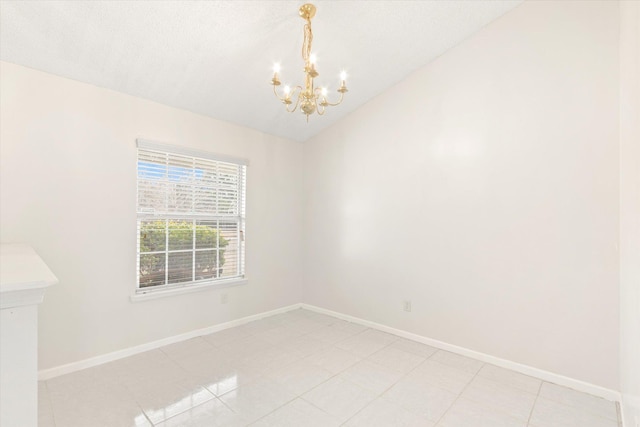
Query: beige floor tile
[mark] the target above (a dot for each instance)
(384, 413)
(333, 359)
(582, 401)
(363, 344)
(186, 348)
(300, 377)
(465, 413)
(510, 378)
(164, 401)
(443, 376)
(414, 347)
(339, 397)
(457, 361)
(212, 413)
(296, 414)
(426, 400)
(396, 359)
(371, 376)
(549, 413)
(257, 399)
(513, 401)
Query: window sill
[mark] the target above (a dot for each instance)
(146, 295)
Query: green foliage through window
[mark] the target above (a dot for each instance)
(177, 242)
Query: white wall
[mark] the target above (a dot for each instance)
(483, 188)
(630, 210)
(67, 180)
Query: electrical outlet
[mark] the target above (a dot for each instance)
(406, 305)
(224, 298)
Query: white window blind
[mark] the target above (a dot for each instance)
(191, 217)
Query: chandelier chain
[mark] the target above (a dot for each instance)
(306, 44)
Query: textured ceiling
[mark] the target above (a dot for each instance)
(215, 57)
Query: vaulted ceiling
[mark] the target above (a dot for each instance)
(215, 57)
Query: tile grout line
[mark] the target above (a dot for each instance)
(459, 394)
(405, 375)
(175, 363)
(574, 407)
(383, 391)
(501, 384)
(299, 396)
(362, 359)
(333, 345)
(535, 401)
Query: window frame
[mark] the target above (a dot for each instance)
(167, 289)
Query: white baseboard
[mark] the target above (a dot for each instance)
(508, 364)
(46, 374)
(595, 390)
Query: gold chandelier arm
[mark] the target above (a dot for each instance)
(292, 94)
(324, 103)
(320, 106)
(333, 104)
(284, 98)
(275, 92)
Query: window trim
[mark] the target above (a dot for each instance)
(147, 144)
(154, 292)
(146, 294)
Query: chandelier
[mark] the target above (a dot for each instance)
(309, 98)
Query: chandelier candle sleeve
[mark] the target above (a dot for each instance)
(309, 98)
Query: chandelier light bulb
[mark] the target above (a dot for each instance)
(276, 67)
(287, 90)
(324, 91)
(343, 75)
(313, 58)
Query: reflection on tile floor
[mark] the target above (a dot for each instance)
(302, 368)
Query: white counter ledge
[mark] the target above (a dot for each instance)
(24, 277)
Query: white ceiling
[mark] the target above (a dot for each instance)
(215, 57)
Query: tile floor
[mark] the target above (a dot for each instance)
(303, 369)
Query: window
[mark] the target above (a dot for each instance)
(191, 208)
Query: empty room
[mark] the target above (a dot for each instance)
(338, 213)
